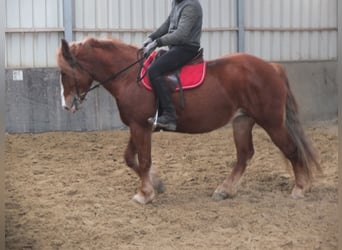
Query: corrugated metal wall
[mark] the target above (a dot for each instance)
(291, 30)
(34, 29)
(133, 20)
(274, 29)
(129, 20)
(220, 27)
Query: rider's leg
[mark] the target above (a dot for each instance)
(172, 60)
(168, 118)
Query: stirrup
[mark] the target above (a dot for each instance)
(153, 120)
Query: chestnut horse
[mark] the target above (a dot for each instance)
(239, 87)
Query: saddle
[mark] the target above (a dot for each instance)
(189, 76)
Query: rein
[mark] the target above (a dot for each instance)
(115, 75)
(80, 97)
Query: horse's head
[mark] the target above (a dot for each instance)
(75, 79)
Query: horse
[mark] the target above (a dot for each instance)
(238, 88)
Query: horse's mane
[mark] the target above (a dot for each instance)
(82, 49)
(107, 43)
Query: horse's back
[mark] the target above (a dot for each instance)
(247, 62)
(253, 84)
(245, 70)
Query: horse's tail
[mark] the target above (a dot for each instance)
(305, 151)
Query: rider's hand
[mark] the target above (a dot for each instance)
(149, 48)
(147, 41)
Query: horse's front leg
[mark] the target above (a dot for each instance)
(140, 143)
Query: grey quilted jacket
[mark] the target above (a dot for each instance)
(183, 27)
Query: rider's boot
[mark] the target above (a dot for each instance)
(168, 119)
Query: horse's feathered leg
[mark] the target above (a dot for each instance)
(242, 129)
(140, 145)
(283, 140)
(289, 136)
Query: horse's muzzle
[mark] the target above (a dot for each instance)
(72, 109)
(74, 106)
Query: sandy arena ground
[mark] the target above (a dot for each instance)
(68, 190)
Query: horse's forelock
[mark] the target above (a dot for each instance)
(75, 50)
(63, 64)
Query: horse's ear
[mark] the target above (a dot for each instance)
(66, 51)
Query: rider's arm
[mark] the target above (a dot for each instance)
(162, 30)
(182, 35)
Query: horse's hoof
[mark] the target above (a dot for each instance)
(221, 196)
(297, 193)
(138, 198)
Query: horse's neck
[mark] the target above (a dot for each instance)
(118, 63)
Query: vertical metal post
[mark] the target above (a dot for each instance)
(241, 25)
(2, 121)
(68, 19)
(339, 82)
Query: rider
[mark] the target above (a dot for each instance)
(181, 32)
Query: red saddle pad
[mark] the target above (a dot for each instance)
(191, 75)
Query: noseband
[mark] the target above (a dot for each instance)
(80, 97)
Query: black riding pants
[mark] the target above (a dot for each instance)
(172, 60)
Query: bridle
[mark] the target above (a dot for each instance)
(80, 97)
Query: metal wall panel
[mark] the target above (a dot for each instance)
(34, 29)
(129, 20)
(274, 29)
(292, 29)
(219, 27)
(132, 20)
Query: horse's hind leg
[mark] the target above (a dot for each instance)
(285, 143)
(242, 129)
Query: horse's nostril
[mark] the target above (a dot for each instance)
(66, 108)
